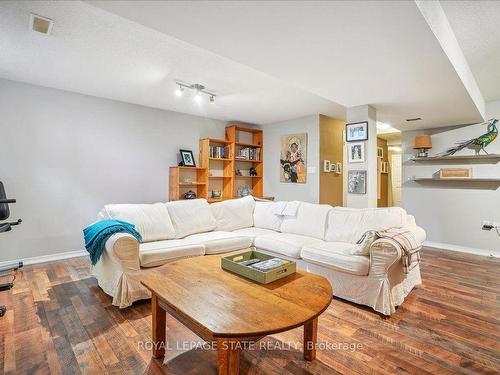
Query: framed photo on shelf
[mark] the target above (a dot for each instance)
(187, 158)
(356, 152)
(356, 182)
(356, 131)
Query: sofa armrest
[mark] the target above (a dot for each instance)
(125, 249)
(384, 253)
(417, 231)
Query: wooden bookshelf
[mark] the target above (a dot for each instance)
(221, 167)
(251, 139)
(183, 179)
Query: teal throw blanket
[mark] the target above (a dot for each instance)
(98, 233)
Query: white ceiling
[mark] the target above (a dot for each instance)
(267, 61)
(350, 52)
(97, 53)
(476, 25)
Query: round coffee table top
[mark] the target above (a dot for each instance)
(222, 304)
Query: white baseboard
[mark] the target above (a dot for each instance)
(48, 258)
(461, 249)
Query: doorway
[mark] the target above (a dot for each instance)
(389, 166)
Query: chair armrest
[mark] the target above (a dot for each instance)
(125, 249)
(384, 252)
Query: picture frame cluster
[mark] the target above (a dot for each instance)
(356, 135)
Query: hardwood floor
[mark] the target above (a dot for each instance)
(60, 322)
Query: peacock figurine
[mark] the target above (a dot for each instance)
(478, 143)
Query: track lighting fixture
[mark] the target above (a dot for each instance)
(199, 91)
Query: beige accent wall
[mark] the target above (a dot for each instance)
(331, 147)
(383, 198)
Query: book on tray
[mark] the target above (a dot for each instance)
(264, 265)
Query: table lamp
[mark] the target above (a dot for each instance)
(422, 143)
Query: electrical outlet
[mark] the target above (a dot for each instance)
(487, 225)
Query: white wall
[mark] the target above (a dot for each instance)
(64, 155)
(309, 191)
(493, 109)
(452, 217)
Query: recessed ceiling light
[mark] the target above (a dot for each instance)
(413, 119)
(41, 24)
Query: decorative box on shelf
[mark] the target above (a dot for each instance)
(453, 173)
(233, 263)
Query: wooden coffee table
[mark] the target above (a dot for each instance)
(232, 311)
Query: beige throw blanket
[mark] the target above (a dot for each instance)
(407, 241)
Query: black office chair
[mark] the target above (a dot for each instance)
(6, 227)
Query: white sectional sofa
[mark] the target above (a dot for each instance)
(320, 238)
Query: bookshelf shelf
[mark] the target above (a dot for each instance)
(247, 144)
(178, 187)
(248, 161)
(192, 183)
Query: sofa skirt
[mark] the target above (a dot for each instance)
(383, 293)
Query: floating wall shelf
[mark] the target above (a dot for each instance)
(455, 179)
(459, 159)
(488, 183)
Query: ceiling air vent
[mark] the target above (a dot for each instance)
(413, 119)
(41, 24)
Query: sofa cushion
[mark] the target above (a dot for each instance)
(349, 224)
(234, 214)
(221, 242)
(284, 243)
(264, 218)
(152, 221)
(253, 232)
(191, 216)
(157, 253)
(309, 221)
(337, 256)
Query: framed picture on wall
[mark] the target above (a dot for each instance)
(187, 158)
(356, 152)
(380, 152)
(338, 168)
(326, 165)
(293, 158)
(356, 182)
(356, 131)
(385, 167)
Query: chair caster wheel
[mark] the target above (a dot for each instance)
(3, 310)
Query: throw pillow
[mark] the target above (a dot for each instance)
(363, 245)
